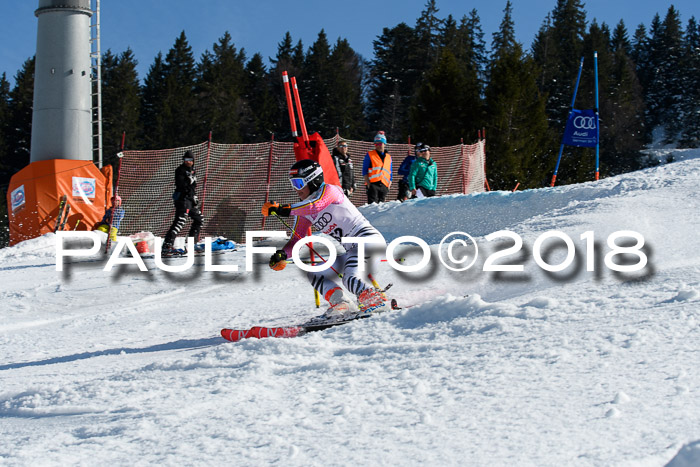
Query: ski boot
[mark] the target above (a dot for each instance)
(168, 251)
(372, 301)
(340, 307)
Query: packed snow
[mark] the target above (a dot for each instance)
(575, 367)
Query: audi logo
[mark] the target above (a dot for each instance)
(584, 123)
(323, 221)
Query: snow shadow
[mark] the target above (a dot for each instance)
(182, 344)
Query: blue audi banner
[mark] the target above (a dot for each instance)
(581, 129)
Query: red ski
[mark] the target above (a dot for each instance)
(315, 324)
(235, 335)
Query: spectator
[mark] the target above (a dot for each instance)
(343, 165)
(113, 216)
(404, 169)
(423, 174)
(376, 170)
(185, 198)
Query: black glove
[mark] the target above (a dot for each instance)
(272, 208)
(278, 261)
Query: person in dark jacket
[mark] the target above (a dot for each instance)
(343, 165)
(185, 199)
(404, 170)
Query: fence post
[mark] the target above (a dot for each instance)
(114, 195)
(204, 185)
(269, 175)
(486, 180)
(464, 166)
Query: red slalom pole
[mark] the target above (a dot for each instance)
(302, 123)
(290, 106)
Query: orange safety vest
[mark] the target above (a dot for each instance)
(379, 171)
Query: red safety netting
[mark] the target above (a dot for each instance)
(234, 180)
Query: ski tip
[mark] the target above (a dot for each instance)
(232, 335)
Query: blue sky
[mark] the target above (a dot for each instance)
(150, 26)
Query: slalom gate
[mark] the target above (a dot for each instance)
(234, 180)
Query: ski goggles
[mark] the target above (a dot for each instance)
(297, 183)
(300, 182)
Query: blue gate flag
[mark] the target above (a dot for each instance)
(582, 129)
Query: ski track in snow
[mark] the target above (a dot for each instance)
(533, 368)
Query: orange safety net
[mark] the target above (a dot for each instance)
(35, 191)
(234, 180)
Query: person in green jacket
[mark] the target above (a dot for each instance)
(423, 175)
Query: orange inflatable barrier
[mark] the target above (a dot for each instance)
(35, 192)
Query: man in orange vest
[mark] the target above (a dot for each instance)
(376, 170)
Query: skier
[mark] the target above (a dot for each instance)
(327, 209)
(185, 198)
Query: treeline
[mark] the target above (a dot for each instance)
(437, 81)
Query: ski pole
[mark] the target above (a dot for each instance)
(371, 278)
(317, 294)
(310, 247)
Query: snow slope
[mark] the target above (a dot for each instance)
(574, 367)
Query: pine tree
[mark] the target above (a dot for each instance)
(427, 30)
(449, 36)
(473, 51)
(672, 82)
(557, 51)
(180, 124)
(516, 116)
(4, 129)
(662, 75)
(20, 108)
(262, 110)
(393, 76)
(620, 40)
(289, 58)
(447, 104)
(622, 110)
(651, 74)
(345, 109)
(121, 102)
(504, 39)
(640, 56)
(219, 88)
(315, 89)
(542, 51)
(690, 105)
(153, 95)
(640, 48)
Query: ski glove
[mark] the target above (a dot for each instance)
(269, 209)
(196, 200)
(278, 261)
